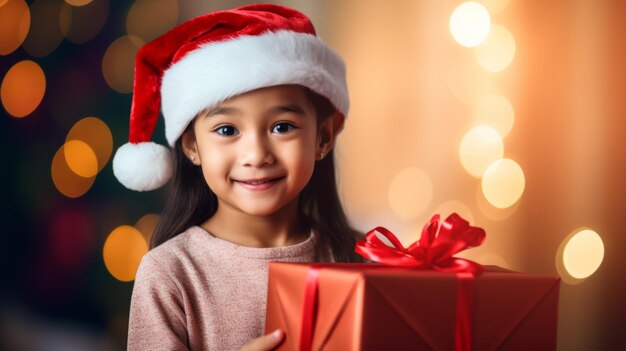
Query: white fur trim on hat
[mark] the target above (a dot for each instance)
(217, 71)
(143, 166)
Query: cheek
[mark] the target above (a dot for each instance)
(302, 156)
(210, 151)
(215, 163)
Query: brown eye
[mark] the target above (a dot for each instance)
(226, 130)
(283, 128)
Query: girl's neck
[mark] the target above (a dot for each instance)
(282, 228)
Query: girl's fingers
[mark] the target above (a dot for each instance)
(266, 342)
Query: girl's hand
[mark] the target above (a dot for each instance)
(266, 342)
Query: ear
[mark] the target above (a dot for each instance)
(190, 147)
(327, 134)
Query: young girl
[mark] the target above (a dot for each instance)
(253, 101)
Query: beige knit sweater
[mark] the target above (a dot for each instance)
(198, 292)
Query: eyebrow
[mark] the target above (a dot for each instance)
(220, 110)
(295, 108)
(225, 110)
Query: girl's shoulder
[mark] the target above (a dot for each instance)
(174, 244)
(173, 253)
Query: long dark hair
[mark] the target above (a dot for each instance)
(191, 201)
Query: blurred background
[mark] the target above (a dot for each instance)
(511, 113)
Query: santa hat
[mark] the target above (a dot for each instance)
(209, 59)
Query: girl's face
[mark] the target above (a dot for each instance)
(257, 150)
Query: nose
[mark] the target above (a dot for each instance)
(256, 151)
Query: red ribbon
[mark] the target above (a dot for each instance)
(309, 309)
(435, 250)
(431, 251)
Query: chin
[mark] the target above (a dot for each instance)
(259, 211)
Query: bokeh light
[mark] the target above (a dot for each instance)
(495, 111)
(14, 25)
(45, 31)
(148, 19)
(503, 183)
(118, 64)
(470, 23)
(479, 148)
(95, 133)
(497, 51)
(410, 193)
(78, 2)
(22, 89)
(122, 252)
(80, 158)
(82, 23)
(582, 253)
(67, 181)
(146, 225)
(491, 212)
(65, 19)
(455, 206)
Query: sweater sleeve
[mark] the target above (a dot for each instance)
(157, 318)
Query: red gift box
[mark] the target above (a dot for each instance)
(366, 307)
(456, 305)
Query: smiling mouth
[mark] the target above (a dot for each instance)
(259, 184)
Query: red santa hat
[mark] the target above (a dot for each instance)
(209, 59)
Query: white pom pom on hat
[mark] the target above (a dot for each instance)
(209, 59)
(143, 166)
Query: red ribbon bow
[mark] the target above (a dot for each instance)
(435, 250)
(432, 251)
